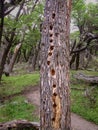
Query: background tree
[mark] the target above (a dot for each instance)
(13, 27)
(87, 35)
(7, 42)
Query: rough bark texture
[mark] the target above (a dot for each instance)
(88, 79)
(2, 19)
(3, 54)
(9, 68)
(55, 93)
(35, 56)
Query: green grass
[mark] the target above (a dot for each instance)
(17, 108)
(15, 84)
(86, 72)
(81, 104)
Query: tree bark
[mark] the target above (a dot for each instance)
(35, 56)
(73, 58)
(55, 92)
(2, 19)
(77, 60)
(3, 54)
(88, 79)
(34, 59)
(8, 68)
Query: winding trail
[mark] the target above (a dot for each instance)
(78, 123)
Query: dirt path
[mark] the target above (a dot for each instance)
(78, 123)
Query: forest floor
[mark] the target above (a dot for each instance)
(78, 123)
(20, 98)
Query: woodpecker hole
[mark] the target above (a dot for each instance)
(44, 102)
(43, 44)
(51, 35)
(50, 53)
(51, 27)
(52, 72)
(44, 28)
(53, 119)
(48, 62)
(55, 94)
(54, 85)
(53, 15)
(54, 105)
(51, 47)
(51, 40)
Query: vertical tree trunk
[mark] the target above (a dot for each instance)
(73, 58)
(3, 54)
(35, 56)
(34, 59)
(2, 19)
(9, 67)
(55, 92)
(77, 60)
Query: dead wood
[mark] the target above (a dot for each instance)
(88, 79)
(19, 125)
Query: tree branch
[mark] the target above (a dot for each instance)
(88, 39)
(34, 5)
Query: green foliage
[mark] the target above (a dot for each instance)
(92, 17)
(15, 84)
(32, 22)
(28, 23)
(17, 108)
(85, 16)
(79, 12)
(82, 104)
(74, 35)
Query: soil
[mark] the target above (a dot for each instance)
(78, 123)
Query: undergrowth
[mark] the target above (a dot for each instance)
(15, 84)
(17, 108)
(81, 103)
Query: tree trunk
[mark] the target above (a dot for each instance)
(55, 92)
(18, 57)
(2, 19)
(73, 58)
(3, 54)
(77, 60)
(88, 79)
(8, 69)
(34, 61)
(25, 55)
(35, 56)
